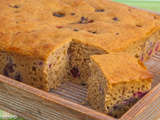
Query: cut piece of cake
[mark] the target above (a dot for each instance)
(118, 80)
(37, 58)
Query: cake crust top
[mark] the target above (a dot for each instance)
(122, 68)
(44, 25)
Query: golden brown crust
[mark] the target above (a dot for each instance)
(40, 26)
(121, 67)
(38, 44)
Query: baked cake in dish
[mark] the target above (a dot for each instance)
(117, 83)
(46, 42)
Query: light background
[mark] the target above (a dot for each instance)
(146, 4)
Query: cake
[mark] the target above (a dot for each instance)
(117, 83)
(46, 42)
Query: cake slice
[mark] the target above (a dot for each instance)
(118, 81)
(37, 58)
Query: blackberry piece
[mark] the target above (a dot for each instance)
(18, 77)
(58, 14)
(75, 72)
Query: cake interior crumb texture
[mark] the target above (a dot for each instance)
(46, 42)
(79, 61)
(115, 86)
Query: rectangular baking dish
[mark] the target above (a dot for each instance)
(69, 100)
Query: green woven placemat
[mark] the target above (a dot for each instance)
(146, 4)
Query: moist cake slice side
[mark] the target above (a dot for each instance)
(39, 59)
(117, 82)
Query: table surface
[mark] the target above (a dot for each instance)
(153, 5)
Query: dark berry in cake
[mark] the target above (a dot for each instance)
(115, 19)
(50, 65)
(40, 64)
(157, 47)
(83, 20)
(75, 72)
(115, 107)
(18, 77)
(72, 13)
(15, 6)
(117, 33)
(9, 59)
(150, 53)
(99, 10)
(59, 27)
(139, 94)
(75, 30)
(90, 21)
(58, 14)
(9, 67)
(5, 72)
(131, 100)
(142, 57)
